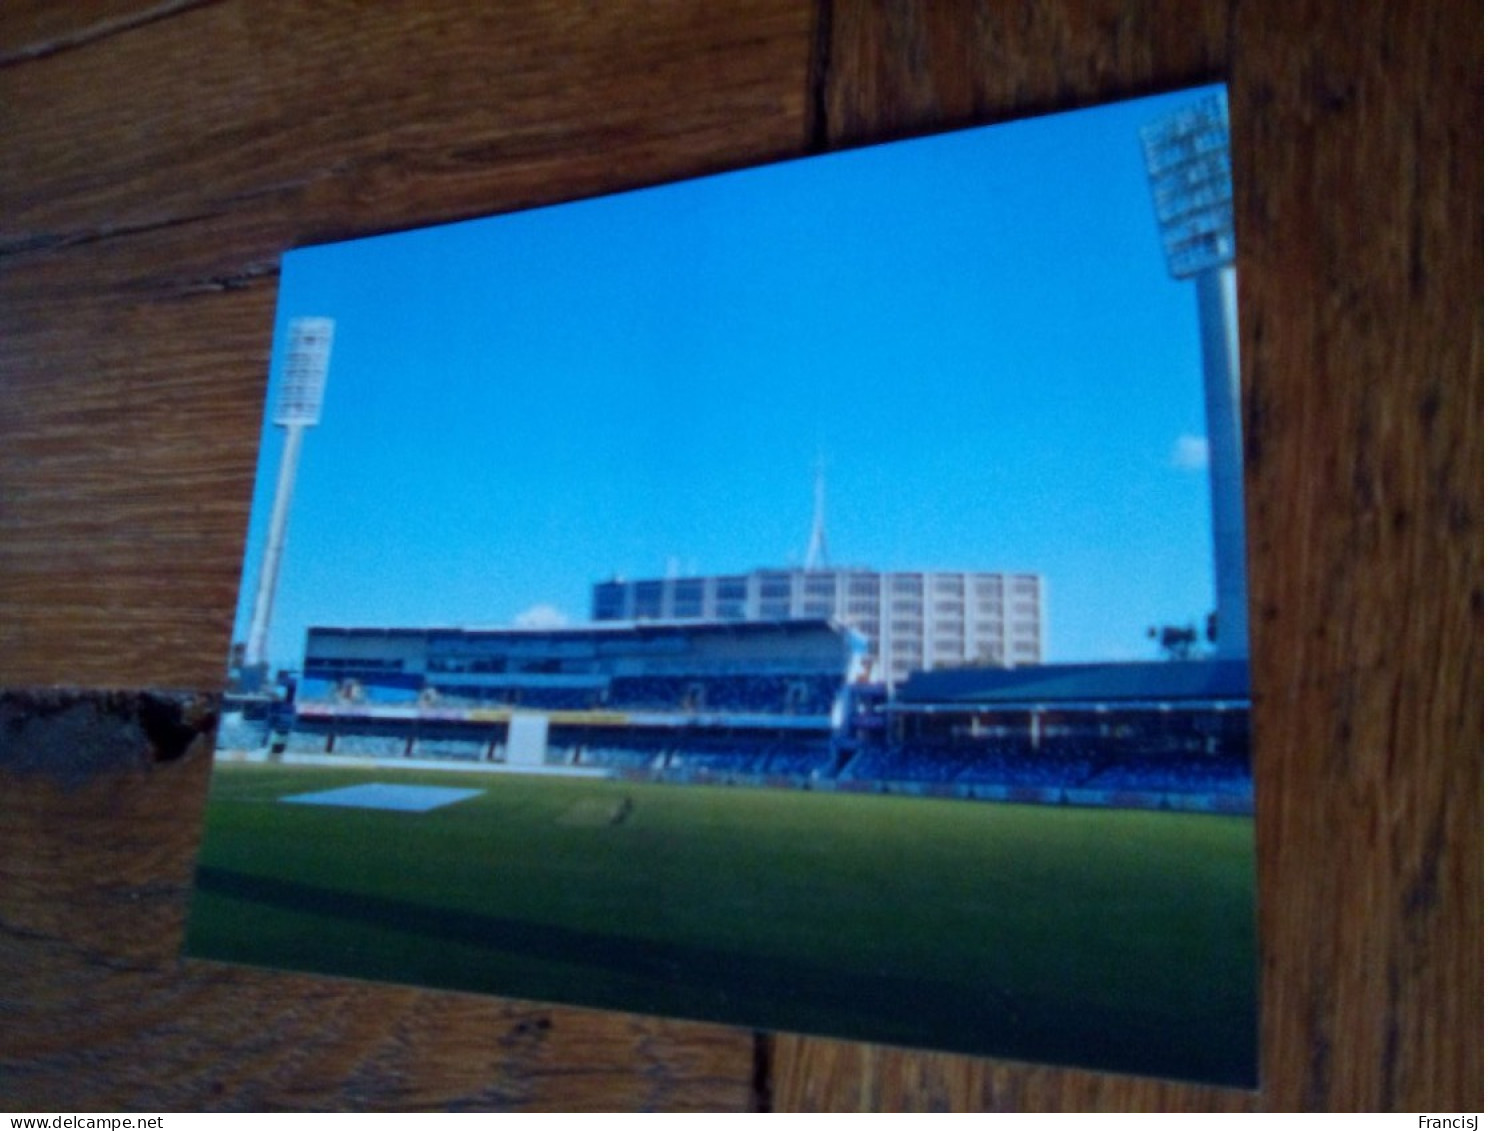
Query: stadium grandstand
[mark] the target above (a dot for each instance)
(670, 700)
(765, 704)
(1135, 735)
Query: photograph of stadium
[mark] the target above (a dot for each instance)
(810, 597)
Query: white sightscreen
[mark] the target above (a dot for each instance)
(527, 739)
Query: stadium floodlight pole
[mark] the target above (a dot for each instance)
(816, 549)
(300, 397)
(1188, 164)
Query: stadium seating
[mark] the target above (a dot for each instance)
(372, 745)
(307, 738)
(741, 694)
(808, 760)
(462, 749)
(690, 755)
(1175, 774)
(1198, 753)
(242, 734)
(617, 757)
(807, 694)
(377, 689)
(1179, 758)
(535, 698)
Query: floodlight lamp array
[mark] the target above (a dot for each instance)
(1188, 164)
(305, 372)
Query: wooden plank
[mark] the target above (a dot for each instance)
(95, 1033)
(1359, 153)
(33, 29)
(893, 70)
(149, 191)
(813, 1074)
(355, 120)
(149, 188)
(127, 461)
(100, 841)
(1358, 158)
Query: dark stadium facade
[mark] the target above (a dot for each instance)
(784, 703)
(1173, 734)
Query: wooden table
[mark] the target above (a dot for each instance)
(159, 156)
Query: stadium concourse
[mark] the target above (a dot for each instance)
(782, 704)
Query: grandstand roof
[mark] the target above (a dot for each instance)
(600, 629)
(1078, 685)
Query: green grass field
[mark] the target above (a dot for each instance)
(1115, 940)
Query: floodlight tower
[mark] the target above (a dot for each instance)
(816, 549)
(298, 408)
(1188, 163)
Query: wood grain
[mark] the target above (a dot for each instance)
(162, 155)
(901, 69)
(812, 1074)
(197, 1036)
(35, 28)
(153, 178)
(1362, 224)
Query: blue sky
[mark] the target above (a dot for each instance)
(974, 332)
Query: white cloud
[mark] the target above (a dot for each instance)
(540, 616)
(1191, 453)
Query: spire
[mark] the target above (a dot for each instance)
(816, 549)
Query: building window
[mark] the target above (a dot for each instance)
(687, 598)
(647, 600)
(730, 590)
(821, 586)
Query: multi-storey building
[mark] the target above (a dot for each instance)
(911, 621)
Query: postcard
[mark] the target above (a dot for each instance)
(809, 598)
